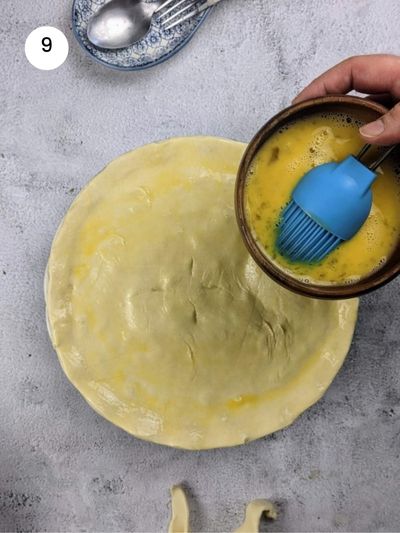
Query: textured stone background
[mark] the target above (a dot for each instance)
(64, 468)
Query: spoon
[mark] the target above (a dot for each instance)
(120, 23)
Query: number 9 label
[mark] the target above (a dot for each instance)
(46, 48)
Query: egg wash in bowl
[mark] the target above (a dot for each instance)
(278, 166)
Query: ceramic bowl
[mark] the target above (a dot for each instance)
(155, 48)
(364, 110)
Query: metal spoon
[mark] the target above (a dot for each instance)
(120, 23)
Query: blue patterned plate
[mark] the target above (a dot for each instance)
(158, 45)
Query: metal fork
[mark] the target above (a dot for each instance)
(171, 18)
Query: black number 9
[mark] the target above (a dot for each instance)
(47, 44)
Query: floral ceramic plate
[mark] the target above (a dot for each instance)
(158, 45)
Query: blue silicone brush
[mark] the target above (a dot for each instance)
(328, 206)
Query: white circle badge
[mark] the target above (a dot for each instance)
(46, 48)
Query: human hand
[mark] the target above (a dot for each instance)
(376, 75)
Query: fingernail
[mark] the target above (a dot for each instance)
(373, 129)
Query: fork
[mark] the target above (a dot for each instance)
(171, 18)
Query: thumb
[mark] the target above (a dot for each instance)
(385, 130)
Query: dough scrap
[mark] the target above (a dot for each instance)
(254, 512)
(161, 319)
(180, 511)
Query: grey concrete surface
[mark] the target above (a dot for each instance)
(64, 468)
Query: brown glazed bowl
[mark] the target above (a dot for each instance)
(364, 110)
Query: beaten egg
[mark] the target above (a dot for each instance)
(282, 162)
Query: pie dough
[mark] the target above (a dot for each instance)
(162, 320)
(180, 513)
(254, 512)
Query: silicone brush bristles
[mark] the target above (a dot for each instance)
(301, 238)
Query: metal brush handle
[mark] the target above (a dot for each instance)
(380, 159)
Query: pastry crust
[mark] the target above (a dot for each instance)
(180, 513)
(162, 320)
(179, 510)
(254, 512)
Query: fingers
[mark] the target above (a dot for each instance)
(379, 73)
(385, 130)
(375, 75)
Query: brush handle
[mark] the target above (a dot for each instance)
(382, 158)
(373, 166)
(363, 151)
